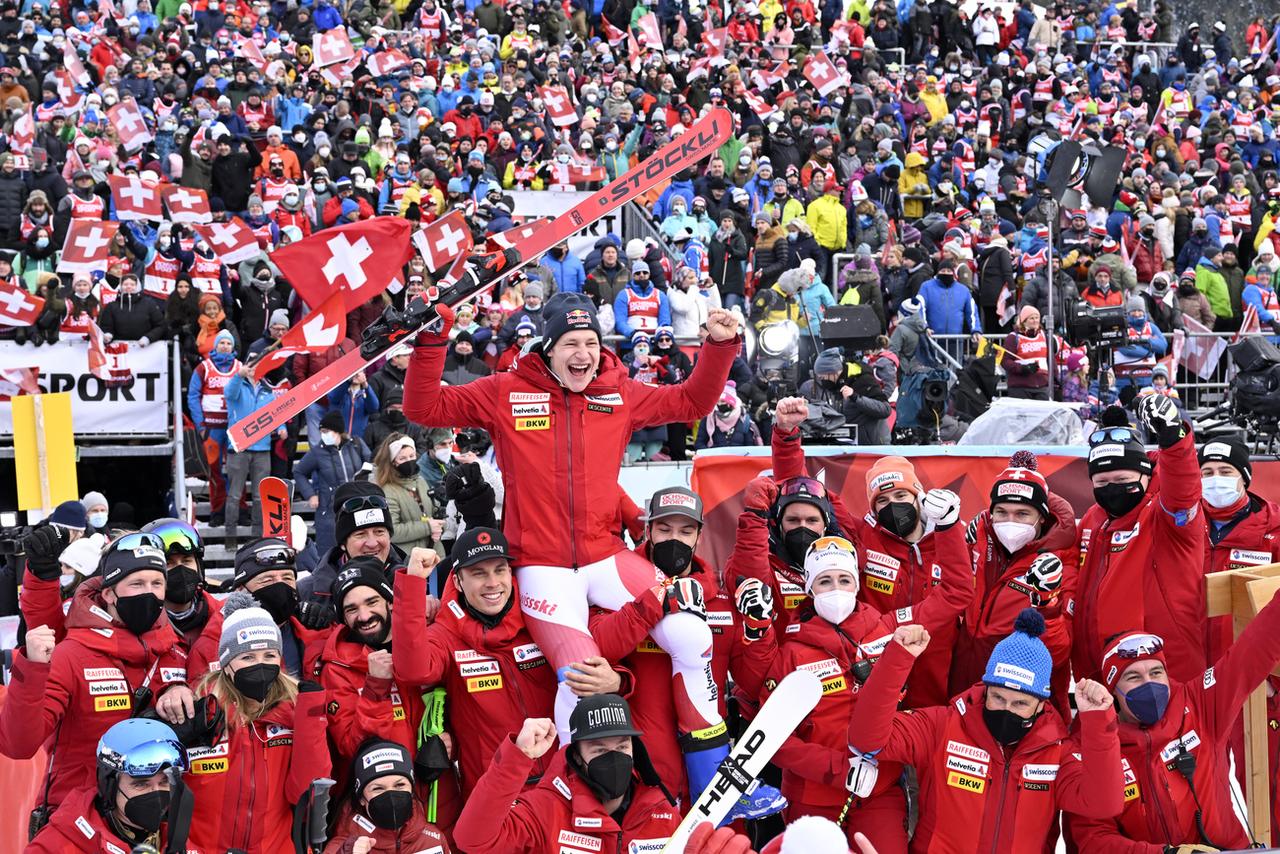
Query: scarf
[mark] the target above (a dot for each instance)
(727, 423)
(209, 327)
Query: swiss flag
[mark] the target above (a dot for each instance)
(716, 40)
(133, 199)
(558, 105)
(513, 237)
(331, 47)
(758, 105)
(68, 97)
(823, 74)
(249, 50)
(765, 77)
(231, 241)
(360, 258)
(15, 382)
(384, 62)
(85, 247)
(444, 240)
(187, 204)
(24, 133)
(317, 332)
(17, 307)
(611, 33)
(650, 35)
(335, 75)
(130, 126)
(71, 61)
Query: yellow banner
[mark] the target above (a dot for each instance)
(44, 450)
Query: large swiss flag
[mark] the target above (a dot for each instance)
(134, 199)
(315, 333)
(360, 259)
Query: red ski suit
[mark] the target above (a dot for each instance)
(417, 836)
(78, 826)
(1159, 809)
(559, 814)
(246, 784)
(560, 452)
(976, 795)
(1253, 540)
(895, 574)
(815, 759)
(361, 705)
(41, 604)
(1002, 593)
(652, 700)
(87, 687)
(1145, 570)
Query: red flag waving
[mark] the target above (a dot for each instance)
(317, 332)
(85, 247)
(17, 307)
(386, 61)
(444, 240)
(130, 126)
(24, 133)
(823, 74)
(71, 60)
(559, 106)
(758, 105)
(360, 258)
(231, 241)
(187, 204)
(332, 46)
(716, 40)
(650, 35)
(133, 199)
(612, 34)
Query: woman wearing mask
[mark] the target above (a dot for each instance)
(383, 814)
(395, 469)
(728, 425)
(246, 783)
(211, 321)
(48, 323)
(326, 466)
(39, 256)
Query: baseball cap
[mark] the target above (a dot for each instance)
(601, 716)
(675, 501)
(477, 544)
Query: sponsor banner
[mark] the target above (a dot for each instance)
(532, 204)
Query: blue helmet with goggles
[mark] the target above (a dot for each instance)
(137, 747)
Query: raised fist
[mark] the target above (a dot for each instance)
(1044, 576)
(684, 594)
(761, 493)
(941, 507)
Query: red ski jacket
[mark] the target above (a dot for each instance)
(417, 836)
(1145, 570)
(361, 705)
(976, 795)
(88, 686)
(41, 604)
(1159, 809)
(1002, 593)
(559, 814)
(493, 678)
(78, 826)
(245, 786)
(1253, 540)
(752, 557)
(560, 452)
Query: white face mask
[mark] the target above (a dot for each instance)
(1220, 491)
(328, 437)
(443, 454)
(1014, 535)
(97, 520)
(835, 605)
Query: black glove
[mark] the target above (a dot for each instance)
(466, 487)
(204, 728)
(316, 616)
(431, 760)
(306, 686)
(43, 546)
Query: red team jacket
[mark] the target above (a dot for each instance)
(559, 814)
(560, 452)
(360, 705)
(245, 785)
(87, 687)
(974, 794)
(416, 837)
(1145, 570)
(77, 826)
(1252, 541)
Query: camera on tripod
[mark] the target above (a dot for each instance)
(1105, 326)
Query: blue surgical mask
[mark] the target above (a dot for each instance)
(1148, 702)
(97, 520)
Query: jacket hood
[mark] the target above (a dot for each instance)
(98, 631)
(915, 160)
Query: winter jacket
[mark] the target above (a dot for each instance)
(604, 284)
(387, 378)
(323, 469)
(243, 399)
(393, 421)
(13, 195)
(360, 705)
(559, 451)
(1209, 281)
(411, 511)
(975, 794)
(355, 405)
(1250, 537)
(417, 835)
(725, 259)
(995, 273)
(829, 221)
(560, 811)
(744, 433)
(909, 344)
(1159, 809)
(772, 254)
(949, 309)
(246, 784)
(78, 826)
(132, 317)
(864, 289)
(1145, 570)
(318, 586)
(88, 686)
(570, 276)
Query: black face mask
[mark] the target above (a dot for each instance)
(406, 468)
(671, 556)
(946, 278)
(609, 774)
(1119, 498)
(182, 583)
(147, 812)
(797, 542)
(279, 600)
(390, 810)
(829, 385)
(1006, 727)
(898, 518)
(139, 613)
(255, 680)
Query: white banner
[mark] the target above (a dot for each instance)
(531, 204)
(141, 408)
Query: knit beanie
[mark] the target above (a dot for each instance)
(1129, 649)
(92, 499)
(1021, 662)
(1020, 483)
(828, 553)
(332, 420)
(809, 834)
(1115, 446)
(119, 562)
(910, 307)
(347, 523)
(224, 335)
(279, 317)
(70, 514)
(889, 473)
(1227, 451)
(264, 554)
(362, 571)
(245, 628)
(378, 759)
(829, 361)
(83, 555)
(567, 312)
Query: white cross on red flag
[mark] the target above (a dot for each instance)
(558, 105)
(758, 105)
(332, 46)
(612, 34)
(823, 74)
(335, 75)
(232, 241)
(17, 306)
(360, 258)
(716, 40)
(513, 237)
(85, 248)
(133, 199)
(187, 204)
(24, 133)
(443, 240)
(71, 61)
(386, 61)
(15, 382)
(650, 35)
(315, 333)
(249, 50)
(765, 77)
(69, 99)
(130, 126)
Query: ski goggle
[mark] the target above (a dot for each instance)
(144, 760)
(1120, 435)
(1136, 646)
(131, 542)
(178, 537)
(363, 502)
(823, 543)
(802, 486)
(275, 556)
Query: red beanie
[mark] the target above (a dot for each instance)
(890, 473)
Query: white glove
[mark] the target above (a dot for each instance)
(106, 337)
(685, 594)
(863, 773)
(144, 341)
(755, 604)
(1044, 576)
(941, 507)
(1158, 413)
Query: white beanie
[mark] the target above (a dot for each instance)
(82, 556)
(826, 554)
(635, 249)
(813, 834)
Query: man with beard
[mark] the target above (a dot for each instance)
(362, 528)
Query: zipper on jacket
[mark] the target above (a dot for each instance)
(568, 435)
(1004, 785)
(1155, 796)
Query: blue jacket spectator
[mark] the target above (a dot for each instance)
(1260, 294)
(243, 399)
(623, 322)
(949, 308)
(678, 187)
(568, 270)
(324, 468)
(355, 402)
